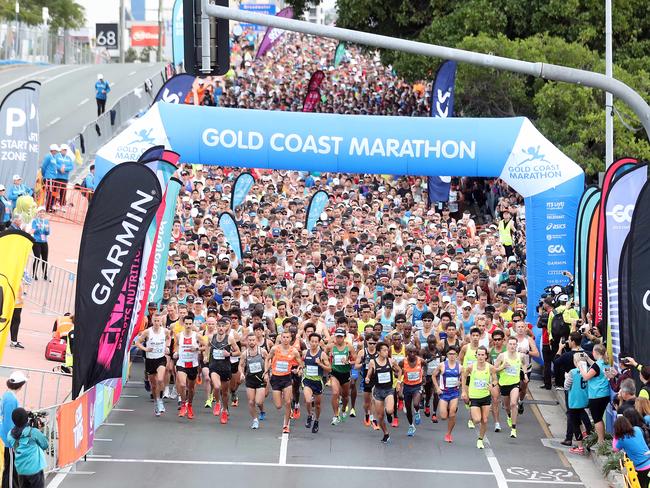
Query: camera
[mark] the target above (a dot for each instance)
(36, 419)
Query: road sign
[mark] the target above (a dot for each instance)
(106, 35)
(258, 8)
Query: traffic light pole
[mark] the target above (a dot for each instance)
(538, 70)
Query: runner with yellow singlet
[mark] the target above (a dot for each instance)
(498, 347)
(481, 377)
(511, 367)
(398, 353)
(467, 357)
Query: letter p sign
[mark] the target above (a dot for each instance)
(15, 118)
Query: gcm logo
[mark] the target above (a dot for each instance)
(622, 213)
(556, 249)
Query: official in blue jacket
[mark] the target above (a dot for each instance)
(8, 404)
(29, 446)
(102, 87)
(5, 209)
(18, 189)
(64, 168)
(49, 171)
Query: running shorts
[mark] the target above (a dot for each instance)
(151, 365)
(279, 383)
(255, 381)
(234, 367)
(505, 390)
(597, 407)
(342, 378)
(190, 372)
(450, 394)
(315, 386)
(409, 390)
(354, 374)
(480, 402)
(224, 374)
(380, 394)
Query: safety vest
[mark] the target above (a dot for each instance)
(68, 352)
(505, 235)
(64, 325)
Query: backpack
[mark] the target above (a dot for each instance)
(559, 328)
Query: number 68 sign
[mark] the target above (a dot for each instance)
(106, 35)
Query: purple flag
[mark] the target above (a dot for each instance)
(273, 34)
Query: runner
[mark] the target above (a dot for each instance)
(341, 356)
(467, 358)
(251, 367)
(498, 348)
(187, 365)
(431, 356)
(279, 362)
(356, 341)
(527, 347)
(398, 353)
(222, 346)
(476, 391)
(413, 370)
(448, 389)
(381, 371)
(300, 346)
(368, 353)
(210, 327)
(235, 331)
(155, 362)
(316, 362)
(510, 369)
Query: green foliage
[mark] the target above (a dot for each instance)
(130, 55)
(612, 463)
(63, 13)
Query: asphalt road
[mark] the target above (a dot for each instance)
(67, 101)
(137, 449)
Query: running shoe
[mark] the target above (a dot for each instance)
(255, 424)
(497, 427)
(395, 422)
(344, 416)
(577, 450)
(449, 438)
(156, 412)
(166, 392)
(183, 411)
(262, 416)
(286, 429)
(434, 418)
(190, 411)
(385, 439)
(513, 433)
(353, 413)
(470, 424)
(520, 410)
(336, 420)
(427, 411)
(308, 423)
(235, 400)
(400, 404)
(216, 410)
(173, 394)
(411, 431)
(314, 428)
(509, 420)
(479, 444)
(296, 412)
(366, 420)
(418, 418)
(224, 417)
(161, 406)
(375, 425)
(208, 402)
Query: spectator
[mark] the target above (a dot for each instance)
(630, 440)
(626, 396)
(102, 87)
(642, 406)
(29, 446)
(8, 404)
(64, 167)
(41, 233)
(597, 385)
(18, 189)
(89, 180)
(50, 172)
(5, 209)
(15, 320)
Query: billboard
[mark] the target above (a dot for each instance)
(145, 35)
(258, 8)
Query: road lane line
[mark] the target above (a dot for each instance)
(54, 121)
(575, 483)
(63, 74)
(299, 466)
(104, 456)
(496, 467)
(132, 73)
(284, 445)
(122, 409)
(112, 424)
(85, 100)
(100, 439)
(30, 75)
(58, 479)
(129, 396)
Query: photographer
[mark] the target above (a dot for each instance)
(561, 321)
(627, 365)
(28, 444)
(7, 406)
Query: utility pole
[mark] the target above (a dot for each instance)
(160, 30)
(122, 37)
(16, 38)
(609, 98)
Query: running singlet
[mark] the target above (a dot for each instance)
(494, 354)
(479, 382)
(470, 356)
(524, 348)
(432, 360)
(255, 363)
(416, 319)
(339, 356)
(398, 355)
(188, 351)
(367, 357)
(413, 374)
(383, 377)
(450, 377)
(157, 343)
(218, 358)
(282, 361)
(312, 370)
(234, 359)
(510, 375)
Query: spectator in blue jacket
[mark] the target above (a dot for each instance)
(102, 88)
(50, 172)
(18, 189)
(8, 404)
(29, 446)
(41, 232)
(64, 168)
(630, 439)
(5, 209)
(89, 180)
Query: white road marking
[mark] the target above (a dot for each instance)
(54, 121)
(496, 467)
(129, 396)
(65, 73)
(276, 465)
(576, 483)
(284, 445)
(101, 439)
(112, 424)
(85, 100)
(58, 479)
(30, 75)
(99, 456)
(132, 73)
(122, 409)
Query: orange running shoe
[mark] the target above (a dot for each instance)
(216, 410)
(183, 411)
(296, 413)
(375, 425)
(366, 421)
(224, 416)
(190, 411)
(286, 429)
(395, 422)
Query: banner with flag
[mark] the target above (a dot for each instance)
(590, 207)
(638, 280)
(240, 189)
(313, 98)
(123, 205)
(178, 38)
(623, 297)
(578, 248)
(620, 201)
(15, 247)
(442, 105)
(175, 89)
(339, 54)
(273, 34)
(592, 246)
(19, 135)
(317, 204)
(230, 231)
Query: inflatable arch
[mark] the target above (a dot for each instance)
(508, 148)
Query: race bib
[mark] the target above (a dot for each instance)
(255, 367)
(282, 366)
(418, 325)
(451, 382)
(218, 354)
(157, 349)
(480, 384)
(311, 370)
(234, 359)
(413, 376)
(383, 377)
(512, 370)
(431, 366)
(339, 359)
(186, 356)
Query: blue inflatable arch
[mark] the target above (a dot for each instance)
(508, 148)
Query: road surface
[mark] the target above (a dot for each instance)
(67, 101)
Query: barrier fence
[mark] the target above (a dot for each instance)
(56, 293)
(65, 202)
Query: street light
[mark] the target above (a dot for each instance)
(609, 99)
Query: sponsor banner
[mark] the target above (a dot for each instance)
(258, 8)
(145, 35)
(15, 247)
(590, 207)
(273, 35)
(19, 135)
(230, 231)
(176, 88)
(315, 81)
(624, 297)
(339, 54)
(178, 37)
(123, 205)
(240, 189)
(638, 284)
(75, 422)
(317, 205)
(592, 245)
(312, 100)
(578, 249)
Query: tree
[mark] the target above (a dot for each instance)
(63, 13)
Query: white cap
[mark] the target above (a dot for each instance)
(471, 293)
(331, 302)
(64, 147)
(40, 209)
(54, 147)
(427, 250)
(446, 299)
(359, 257)
(17, 377)
(512, 259)
(223, 256)
(2, 187)
(17, 177)
(453, 266)
(444, 266)
(202, 253)
(466, 304)
(100, 76)
(410, 274)
(171, 275)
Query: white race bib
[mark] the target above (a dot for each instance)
(512, 370)
(186, 356)
(398, 357)
(339, 359)
(311, 370)
(158, 349)
(480, 384)
(431, 366)
(282, 366)
(218, 354)
(234, 359)
(383, 377)
(413, 375)
(255, 367)
(451, 382)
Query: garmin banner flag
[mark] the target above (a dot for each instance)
(240, 189)
(230, 231)
(442, 105)
(273, 34)
(178, 39)
(122, 207)
(619, 207)
(19, 135)
(317, 205)
(176, 88)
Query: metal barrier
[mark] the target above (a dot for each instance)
(43, 388)
(54, 294)
(51, 431)
(65, 201)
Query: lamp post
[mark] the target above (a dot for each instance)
(609, 98)
(17, 48)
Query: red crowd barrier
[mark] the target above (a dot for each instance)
(66, 201)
